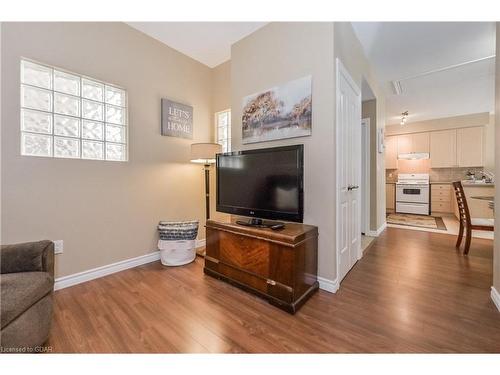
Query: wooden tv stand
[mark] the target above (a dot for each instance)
(280, 266)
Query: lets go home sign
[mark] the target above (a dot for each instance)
(176, 119)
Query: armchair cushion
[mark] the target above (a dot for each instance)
(28, 257)
(20, 291)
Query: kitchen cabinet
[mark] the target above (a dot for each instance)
(462, 147)
(443, 149)
(441, 198)
(470, 150)
(391, 152)
(404, 144)
(420, 142)
(413, 143)
(390, 197)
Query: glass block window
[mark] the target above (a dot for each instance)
(66, 115)
(223, 129)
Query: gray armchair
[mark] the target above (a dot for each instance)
(27, 286)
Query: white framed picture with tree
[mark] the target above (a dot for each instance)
(280, 112)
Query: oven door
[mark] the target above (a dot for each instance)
(412, 193)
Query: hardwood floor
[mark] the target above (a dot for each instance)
(411, 292)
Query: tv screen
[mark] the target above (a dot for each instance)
(263, 183)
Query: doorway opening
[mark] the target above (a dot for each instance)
(368, 165)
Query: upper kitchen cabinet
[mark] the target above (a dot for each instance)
(420, 142)
(443, 149)
(391, 152)
(404, 144)
(470, 149)
(413, 143)
(463, 147)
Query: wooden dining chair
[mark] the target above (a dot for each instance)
(466, 222)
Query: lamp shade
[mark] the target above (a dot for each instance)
(204, 152)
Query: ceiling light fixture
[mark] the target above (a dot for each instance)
(404, 116)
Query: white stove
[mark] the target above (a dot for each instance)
(412, 193)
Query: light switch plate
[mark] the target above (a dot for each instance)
(58, 246)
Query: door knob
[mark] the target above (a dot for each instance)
(352, 187)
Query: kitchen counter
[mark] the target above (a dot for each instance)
(464, 183)
(468, 184)
(475, 195)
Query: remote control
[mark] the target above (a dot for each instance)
(277, 226)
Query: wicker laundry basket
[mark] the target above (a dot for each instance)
(177, 242)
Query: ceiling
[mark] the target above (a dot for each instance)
(206, 42)
(421, 57)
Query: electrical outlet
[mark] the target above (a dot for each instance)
(58, 246)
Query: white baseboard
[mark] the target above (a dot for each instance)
(376, 233)
(328, 285)
(95, 273)
(495, 296)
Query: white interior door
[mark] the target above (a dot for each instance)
(348, 171)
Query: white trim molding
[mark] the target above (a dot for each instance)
(328, 285)
(376, 233)
(95, 273)
(495, 296)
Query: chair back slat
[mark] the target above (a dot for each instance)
(463, 208)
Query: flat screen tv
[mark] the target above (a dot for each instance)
(263, 183)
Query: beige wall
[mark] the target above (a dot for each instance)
(221, 87)
(221, 100)
(348, 49)
(474, 119)
(489, 144)
(280, 52)
(104, 211)
(369, 110)
(276, 54)
(496, 251)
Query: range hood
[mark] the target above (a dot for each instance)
(414, 156)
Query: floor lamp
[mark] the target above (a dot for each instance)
(204, 153)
